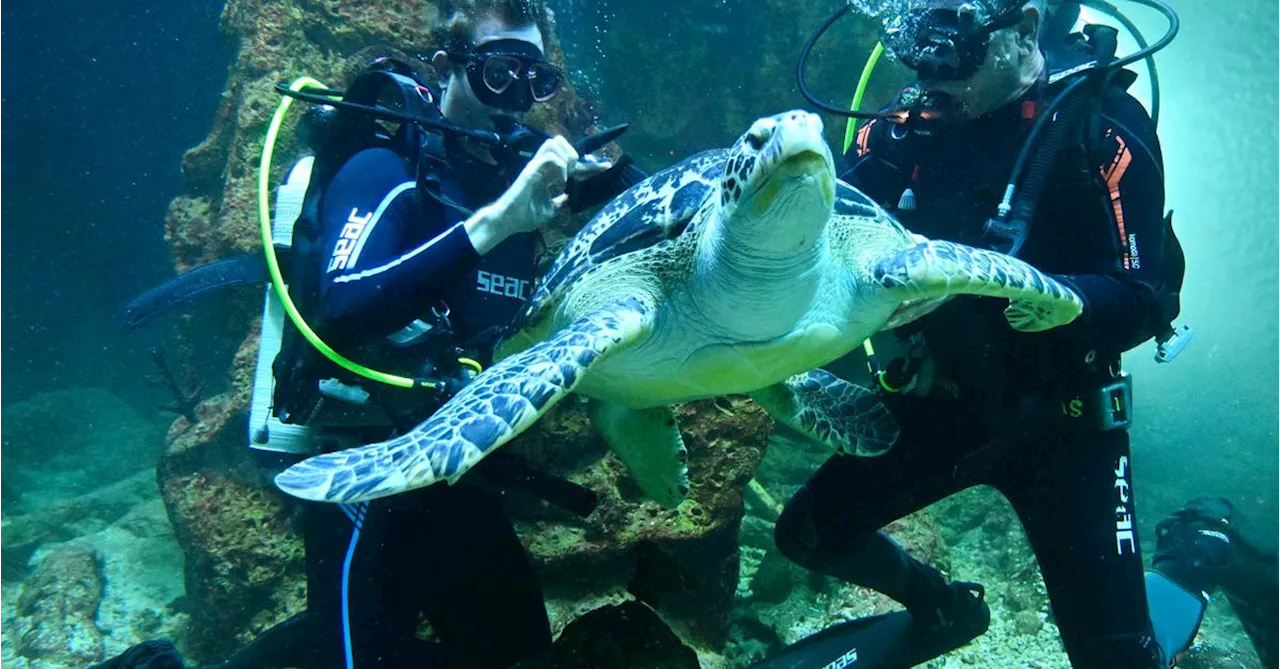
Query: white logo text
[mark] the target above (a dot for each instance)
(347, 240)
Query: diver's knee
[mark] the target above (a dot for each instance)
(813, 539)
(795, 533)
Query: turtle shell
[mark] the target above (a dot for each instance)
(650, 212)
(852, 202)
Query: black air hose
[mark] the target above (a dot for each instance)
(1065, 126)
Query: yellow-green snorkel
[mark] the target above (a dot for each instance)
(273, 263)
(851, 123)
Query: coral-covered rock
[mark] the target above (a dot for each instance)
(683, 560)
(57, 607)
(244, 561)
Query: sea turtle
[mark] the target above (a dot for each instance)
(735, 271)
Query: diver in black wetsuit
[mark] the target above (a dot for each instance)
(419, 263)
(464, 258)
(1040, 417)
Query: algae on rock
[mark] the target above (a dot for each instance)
(56, 610)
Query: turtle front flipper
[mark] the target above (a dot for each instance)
(649, 443)
(825, 407)
(931, 269)
(496, 407)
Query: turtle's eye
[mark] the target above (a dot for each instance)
(756, 137)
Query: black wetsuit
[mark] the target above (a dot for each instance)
(446, 554)
(1003, 410)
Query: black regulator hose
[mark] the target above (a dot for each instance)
(1065, 112)
(1175, 24)
(1032, 145)
(804, 87)
(1064, 128)
(1113, 12)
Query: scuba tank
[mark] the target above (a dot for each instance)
(266, 432)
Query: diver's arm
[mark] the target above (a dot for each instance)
(375, 279)
(372, 285)
(533, 200)
(1121, 306)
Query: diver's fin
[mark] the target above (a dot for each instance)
(1176, 613)
(865, 643)
(887, 641)
(244, 269)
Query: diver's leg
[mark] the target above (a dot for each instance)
(478, 587)
(282, 645)
(831, 524)
(1074, 495)
(360, 613)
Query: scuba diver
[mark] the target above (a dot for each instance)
(418, 244)
(1004, 88)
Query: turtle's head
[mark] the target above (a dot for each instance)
(779, 184)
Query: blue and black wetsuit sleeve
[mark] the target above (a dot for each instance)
(385, 262)
(1121, 305)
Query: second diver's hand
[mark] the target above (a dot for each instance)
(531, 202)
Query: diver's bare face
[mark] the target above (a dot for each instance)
(459, 103)
(1013, 64)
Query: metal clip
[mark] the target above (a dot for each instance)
(1115, 403)
(1171, 343)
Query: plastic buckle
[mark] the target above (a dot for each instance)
(1170, 344)
(1115, 404)
(344, 392)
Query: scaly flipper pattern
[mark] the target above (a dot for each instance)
(1037, 302)
(828, 409)
(496, 407)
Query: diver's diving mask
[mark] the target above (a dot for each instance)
(947, 40)
(510, 74)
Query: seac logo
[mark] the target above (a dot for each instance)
(506, 286)
(1125, 542)
(849, 659)
(347, 240)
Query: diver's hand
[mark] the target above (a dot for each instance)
(531, 202)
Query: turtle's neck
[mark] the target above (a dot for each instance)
(758, 292)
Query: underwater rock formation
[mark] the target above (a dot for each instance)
(244, 560)
(66, 443)
(57, 607)
(684, 561)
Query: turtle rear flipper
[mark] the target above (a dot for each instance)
(500, 404)
(1036, 301)
(649, 443)
(828, 409)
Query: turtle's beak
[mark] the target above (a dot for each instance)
(804, 163)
